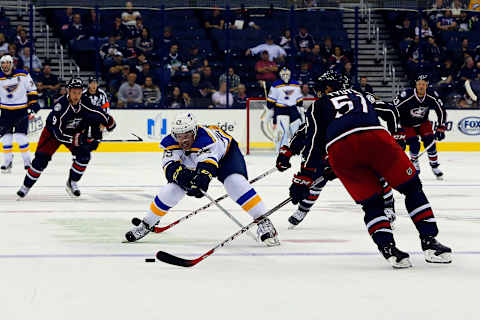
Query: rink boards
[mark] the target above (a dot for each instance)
(142, 130)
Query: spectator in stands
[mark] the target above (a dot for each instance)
(338, 59)
(240, 97)
(348, 71)
(305, 76)
(275, 52)
(36, 65)
(76, 30)
(61, 92)
(233, 80)
(192, 87)
(266, 69)
(67, 19)
(145, 72)
(215, 21)
(145, 42)
(129, 16)
(457, 7)
(22, 40)
(119, 30)
(466, 23)
(447, 22)
(176, 99)
(446, 77)
(204, 97)
(130, 52)
(405, 31)
(4, 20)
(327, 49)
(208, 77)
(108, 49)
(115, 69)
(48, 86)
(433, 53)
(286, 41)
(174, 62)
(134, 32)
(168, 37)
(92, 18)
(468, 70)
(306, 91)
(315, 61)
(243, 21)
(304, 41)
(425, 30)
(437, 12)
(222, 98)
(151, 93)
(130, 94)
(3, 45)
(194, 59)
(17, 61)
(464, 50)
(309, 3)
(363, 86)
(414, 58)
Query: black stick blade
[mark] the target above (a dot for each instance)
(171, 259)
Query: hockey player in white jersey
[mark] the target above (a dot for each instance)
(193, 155)
(283, 102)
(18, 99)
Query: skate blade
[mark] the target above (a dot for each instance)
(7, 171)
(445, 257)
(271, 242)
(70, 193)
(440, 178)
(402, 264)
(292, 226)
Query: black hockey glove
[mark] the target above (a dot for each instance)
(440, 132)
(183, 177)
(111, 124)
(200, 182)
(328, 173)
(400, 138)
(80, 139)
(301, 183)
(34, 108)
(283, 159)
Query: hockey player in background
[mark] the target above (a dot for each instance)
(18, 102)
(78, 125)
(193, 155)
(285, 106)
(386, 112)
(344, 124)
(97, 96)
(414, 106)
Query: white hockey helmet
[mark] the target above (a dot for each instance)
(6, 63)
(183, 123)
(285, 74)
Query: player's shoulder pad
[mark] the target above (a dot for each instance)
(432, 92)
(169, 143)
(62, 103)
(19, 73)
(278, 83)
(294, 83)
(203, 139)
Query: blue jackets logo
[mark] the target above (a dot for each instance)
(470, 126)
(157, 128)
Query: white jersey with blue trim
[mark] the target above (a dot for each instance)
(285, 94)
(14, 90)
(210, 146)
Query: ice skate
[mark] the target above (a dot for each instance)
(296, 218)
(398, 259)
(138, 232)
(72, 189)
(7, 168)
(27, 164)
(438, 173)
(267, 234)
(22, 192)
(435, 252)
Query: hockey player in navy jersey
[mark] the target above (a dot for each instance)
(18, 100)
(78, 125)
(414, 106)
(344, 124)
(284, 103)
(193, 155)
(386, 112)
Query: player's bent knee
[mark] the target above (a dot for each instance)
(413, 185)
(41, 161)
(83, 158)
(427, 139)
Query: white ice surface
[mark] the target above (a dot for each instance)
(63, 259)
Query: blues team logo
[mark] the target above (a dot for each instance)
(470, 126)
(157, 127)
(11, 89)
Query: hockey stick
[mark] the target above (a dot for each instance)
(228, 214)
(426, 149)
(137, 221)
(171, 259)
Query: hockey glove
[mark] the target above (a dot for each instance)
(183, 177)
(34, 107)
(200, 182)
(440, 132)
(283, 159)
(301, 183)
(400, 138)
(111, 124)
(328, 173)
(80, 139)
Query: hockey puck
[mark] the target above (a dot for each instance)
(149, 259)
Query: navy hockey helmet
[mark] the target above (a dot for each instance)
(347, 84)
(92, 79)
(422, 76)
(332, 79)
(75, 83)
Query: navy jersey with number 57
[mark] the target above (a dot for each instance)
(333, 117)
